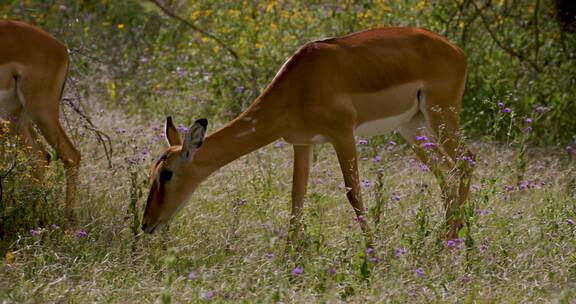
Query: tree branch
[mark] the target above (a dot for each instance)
(505, 48)
(191, 25)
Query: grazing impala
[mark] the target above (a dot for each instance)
(33, 67)
(367, 83)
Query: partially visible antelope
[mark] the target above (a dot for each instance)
(33, 67)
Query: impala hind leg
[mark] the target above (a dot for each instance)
(57, 138)
(302, 164)
(445, 123)
(345, 147)
(48, 122)
(30, 138)
(430, 154)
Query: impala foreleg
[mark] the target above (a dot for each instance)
(302, 163)
(345, 147)
(54, 134)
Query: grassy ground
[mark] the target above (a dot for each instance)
(228, 244)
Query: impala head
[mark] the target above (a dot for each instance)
(174, 175)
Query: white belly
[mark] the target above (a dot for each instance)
(387, 124)
(9, 103)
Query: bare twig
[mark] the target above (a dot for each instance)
(501, 45)
(101, 137)
(191, 25)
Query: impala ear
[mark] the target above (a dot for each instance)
(194, 137)
(172, 136)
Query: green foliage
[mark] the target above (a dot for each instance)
(133, 64)
(149, 63)
(26, 202)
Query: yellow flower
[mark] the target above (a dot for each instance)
(195, 15)
(234, 13)
(120, 26)
(10, 257)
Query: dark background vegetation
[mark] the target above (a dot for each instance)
(132, 54)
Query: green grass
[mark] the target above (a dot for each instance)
(521, 247)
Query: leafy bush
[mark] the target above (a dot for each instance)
(149, 63)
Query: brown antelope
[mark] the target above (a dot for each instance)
(367, 83)
(33, 67)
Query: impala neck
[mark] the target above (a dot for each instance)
(256, 127)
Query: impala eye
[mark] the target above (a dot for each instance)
(165, 176)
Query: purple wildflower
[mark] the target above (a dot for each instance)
(181, 71)
(120, 130)
(191, 275)
(349, 226)
(374, 260)
(269, 255)
(469, 160)
(297, 271)
(181, 128)
(278, 144)
(540, 109)
(481, 212)
(428, 145)
(454, 243)
(484, 245)
(569, 149)
(423, 167)
(376, 158)
(500, 104)
(528, 129)
(420, 272)
(421, 138)
(81, 233)
(367, 184)
(370, 250)
(399, 252)
(396, 197)
(570, 222)
(509, 188)
(209, 295)
(35, 232)
(506, 110)
(332, 270)
(465, 278)
(363, 142)
(527, 120)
